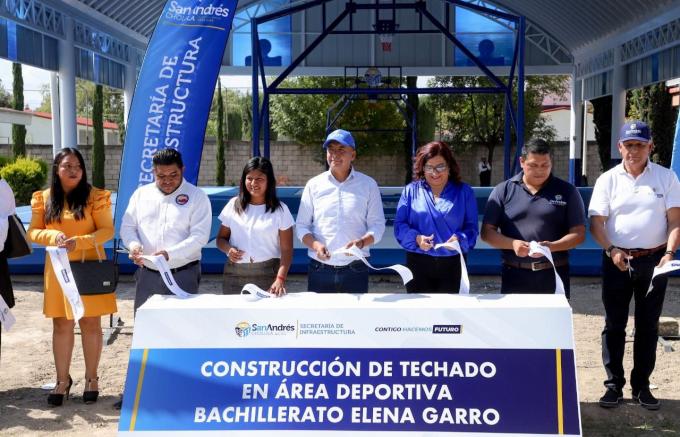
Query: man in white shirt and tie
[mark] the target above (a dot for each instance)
(171, 217)
(339, 208)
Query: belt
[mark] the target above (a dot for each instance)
(175, 270)
(330, 266)
(637, 253)
(535, 266)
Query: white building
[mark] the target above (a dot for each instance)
(39, 128)
(559, 116)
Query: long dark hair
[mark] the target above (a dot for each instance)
(429, 151)
(263, 165)
(76, 199)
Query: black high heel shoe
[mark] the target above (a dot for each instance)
(57, 399)
(90, 396)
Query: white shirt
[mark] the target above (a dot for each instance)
(178, 223)
(636, 208)
(7, 208)
(483, 167)
(336, 213)
(255, 231)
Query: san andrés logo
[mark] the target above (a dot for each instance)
(188, 13)
(243, 329)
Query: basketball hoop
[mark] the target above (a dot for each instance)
(386, 42)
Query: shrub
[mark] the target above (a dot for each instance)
(4, 161)
(25, 175)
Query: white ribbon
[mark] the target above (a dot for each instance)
(355, 252)
(256, 292)
(670, 266)
(464, 287)
(536, 248)
(6, 317)
(62, 270)
(164, 269)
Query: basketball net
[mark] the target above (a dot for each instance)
(386, 42)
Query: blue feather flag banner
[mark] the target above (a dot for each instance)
(174, 90)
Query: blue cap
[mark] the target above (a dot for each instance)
(635, 130)
(340, 136)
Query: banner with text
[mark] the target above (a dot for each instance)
(174, 90)
(457, 373)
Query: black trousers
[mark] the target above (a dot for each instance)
(433, 274)
(617, 290)
(485, 178)
(149, 282)
(6, 290)
(517, 281)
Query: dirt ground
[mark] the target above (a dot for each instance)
(26, 365)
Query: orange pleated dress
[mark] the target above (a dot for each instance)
(97, 223)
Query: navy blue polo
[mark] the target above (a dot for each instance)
(545, 216)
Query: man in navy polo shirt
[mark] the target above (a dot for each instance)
(534, 206)
(635, 216)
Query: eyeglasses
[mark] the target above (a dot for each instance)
(69, 167)
(441, 168)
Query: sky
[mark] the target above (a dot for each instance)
(34, 78)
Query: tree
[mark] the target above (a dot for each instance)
(46, 103)
(303, 117)
(412, 107)
(98, 157)
(112, 100)
(247, 117)
(18, 130)
(653, 104)
(234, 125)
(427, 120)
(245, 103)
(602, 119)
(220, 134)
(5, 97)
(478, 119)
(233, 103)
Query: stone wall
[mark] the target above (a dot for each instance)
(295, 164)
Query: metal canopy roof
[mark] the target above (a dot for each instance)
(577, 23)
(138, 16)
(574, 23)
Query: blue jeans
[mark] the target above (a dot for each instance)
(324, 278)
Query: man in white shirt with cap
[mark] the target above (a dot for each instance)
(170, 217)
(635, 217)
(339, 208)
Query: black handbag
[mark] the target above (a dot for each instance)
(17, 243)
(96, 276)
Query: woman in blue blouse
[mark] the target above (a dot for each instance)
(435, 208)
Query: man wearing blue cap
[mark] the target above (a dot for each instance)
(339, 208)
(635, 216)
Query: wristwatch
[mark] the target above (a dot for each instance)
(670, 252)
(608, 251)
